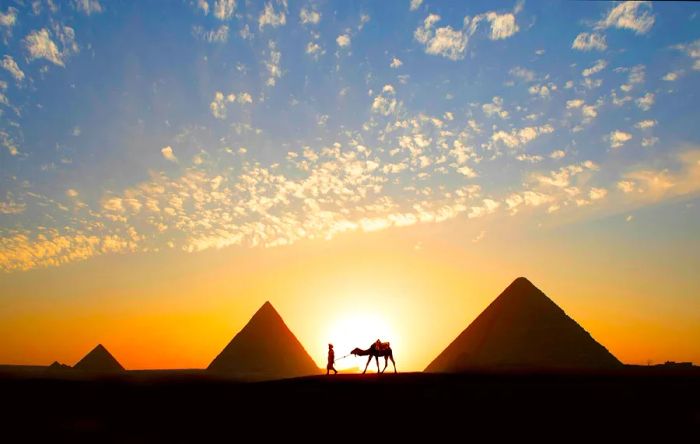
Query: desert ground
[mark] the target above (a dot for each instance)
(148, 406)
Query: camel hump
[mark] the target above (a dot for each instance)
(384, 346)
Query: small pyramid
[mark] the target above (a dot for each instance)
(99, 360)
(523, 329)
(58, 366)
(264, 349)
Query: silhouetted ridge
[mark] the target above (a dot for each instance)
(523, 329)
(99, 360)
(264, 349)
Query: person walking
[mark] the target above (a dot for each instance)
(331, 360)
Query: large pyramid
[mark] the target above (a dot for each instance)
(99, 360)
(264, 349)
(523, 329)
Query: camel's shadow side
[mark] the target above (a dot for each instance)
(375, 351)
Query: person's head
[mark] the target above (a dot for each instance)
(330, 346)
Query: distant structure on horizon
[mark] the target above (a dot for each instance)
(264, 349)
(58, 366)
(522, 329)
(99, 360)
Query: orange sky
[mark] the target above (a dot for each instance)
(420, 285)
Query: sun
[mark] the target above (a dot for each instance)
(357, 330)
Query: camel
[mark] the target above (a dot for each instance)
(375, 352)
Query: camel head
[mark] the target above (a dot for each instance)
(356, 351)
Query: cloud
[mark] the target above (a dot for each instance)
(10, 206)
(203, 6)
(528, 198)
(88, 7)
(223, 9)
(343, 40)
(671, 76)
(618, 138)
(219, 35)
(563, 177)
(467, 171)
(395, 63)
(70, 192)
(270, 18)
(21, 251)
(445, 41)
(9, 18)
(542, 90)
(488, 206)
(646, 124)
(502, 25)
(479, 236)
(532, 158)
(40, 45)
(636, 76)
(245, 98)
(597, 193)
(245, 32)
(168, 154)
(632, 15)
(595, 69)
(649, 141)
(8, 143)
(314, 50)
(274, 69)
(452, 43)
(495, 108)
(575, 103)
(557, 154)
(518, 137)
(626, 186)
(218, 105)
(11, 66)
(523, 73)
(645, 102)
(589, 41)
(385, 103)
(692, 49)
(680, 178)
(415, 4)
(309, 16)
(364, 19)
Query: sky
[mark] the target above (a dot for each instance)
(371, 168)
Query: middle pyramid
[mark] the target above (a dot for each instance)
(264, 349)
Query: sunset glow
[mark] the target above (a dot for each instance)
(373, 169)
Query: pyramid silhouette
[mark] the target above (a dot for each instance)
(58, 366)
(99, 360)
(264, 349)
(523, 329)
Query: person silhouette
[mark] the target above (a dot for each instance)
(331, 360)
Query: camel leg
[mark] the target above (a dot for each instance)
(367, 365)
(386, 363)
(393, 362)
(377, 359)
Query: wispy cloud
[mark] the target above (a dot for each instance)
(223, 9)
(270, 18)
(88, 7)
(589, 41)
(632, 15)
(11, 66)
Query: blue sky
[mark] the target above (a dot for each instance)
(143, 126)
